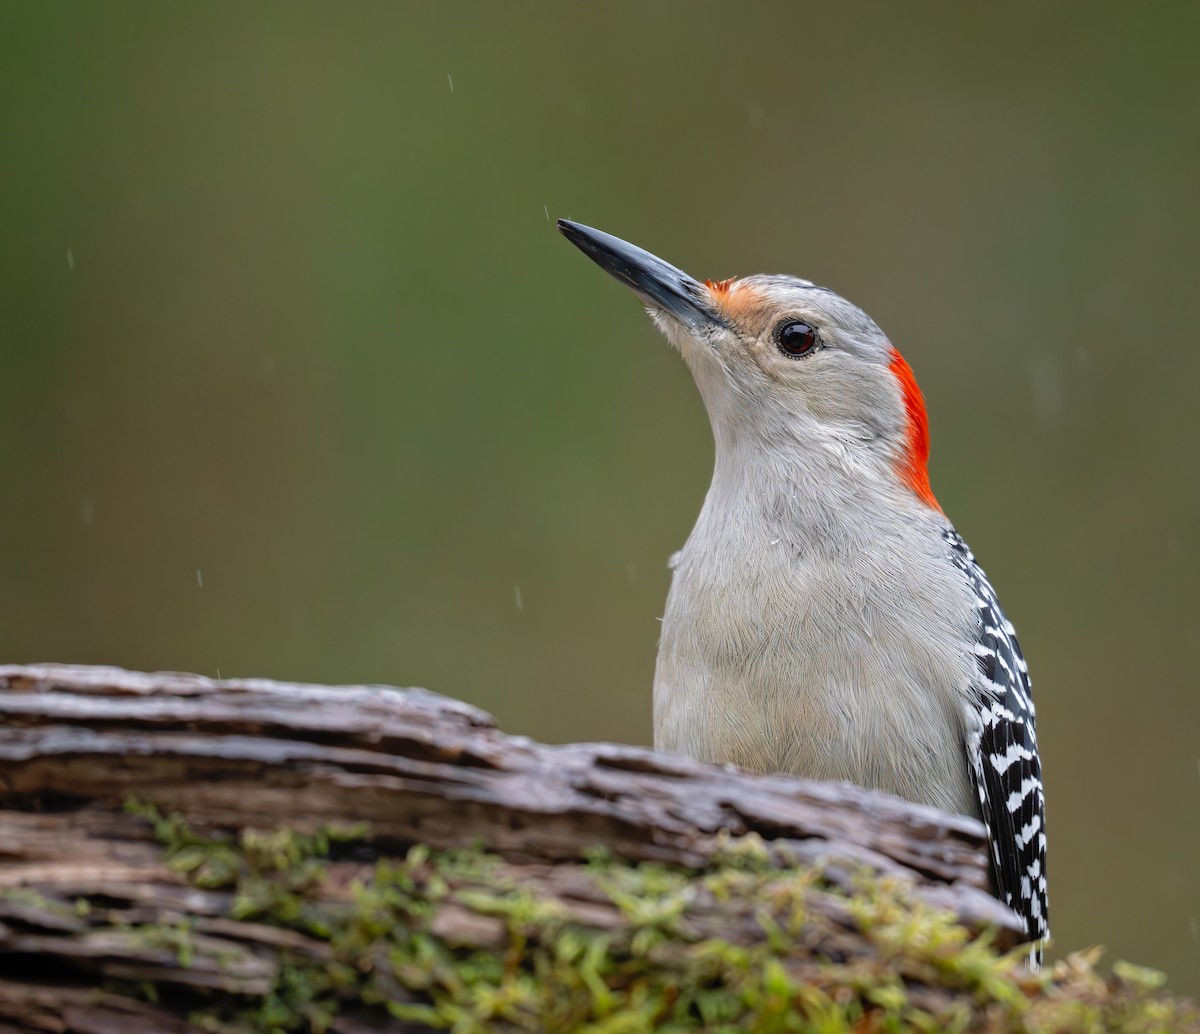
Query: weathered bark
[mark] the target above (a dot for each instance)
(97, 915)
(422, 768)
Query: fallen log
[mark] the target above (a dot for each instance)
(180, 853)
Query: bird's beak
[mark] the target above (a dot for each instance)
(655, 282)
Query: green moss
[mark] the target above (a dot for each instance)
(31, 900)
(173, 937)
(656, 973)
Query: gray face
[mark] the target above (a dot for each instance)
(772, 355)
(781, 352)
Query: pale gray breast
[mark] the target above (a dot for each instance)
(847, 666)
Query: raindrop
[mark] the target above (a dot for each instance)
(450, 80)
(546, 209)
(199, 579)
(70, 260)
(517, 597)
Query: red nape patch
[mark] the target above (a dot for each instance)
(913, 467)
(719, 286)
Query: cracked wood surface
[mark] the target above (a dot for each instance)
(76, 743)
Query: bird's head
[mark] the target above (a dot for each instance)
(782, 364)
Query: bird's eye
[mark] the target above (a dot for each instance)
(796, 339)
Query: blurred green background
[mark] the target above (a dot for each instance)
(299, 381)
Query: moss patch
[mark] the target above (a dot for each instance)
(449, 940)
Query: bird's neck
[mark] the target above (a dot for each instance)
(814, 486)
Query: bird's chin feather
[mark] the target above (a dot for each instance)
(670, 327)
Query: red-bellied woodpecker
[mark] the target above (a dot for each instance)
(825, 619)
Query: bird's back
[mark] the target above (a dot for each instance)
(797, 642)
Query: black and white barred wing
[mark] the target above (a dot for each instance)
(1003, 753)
